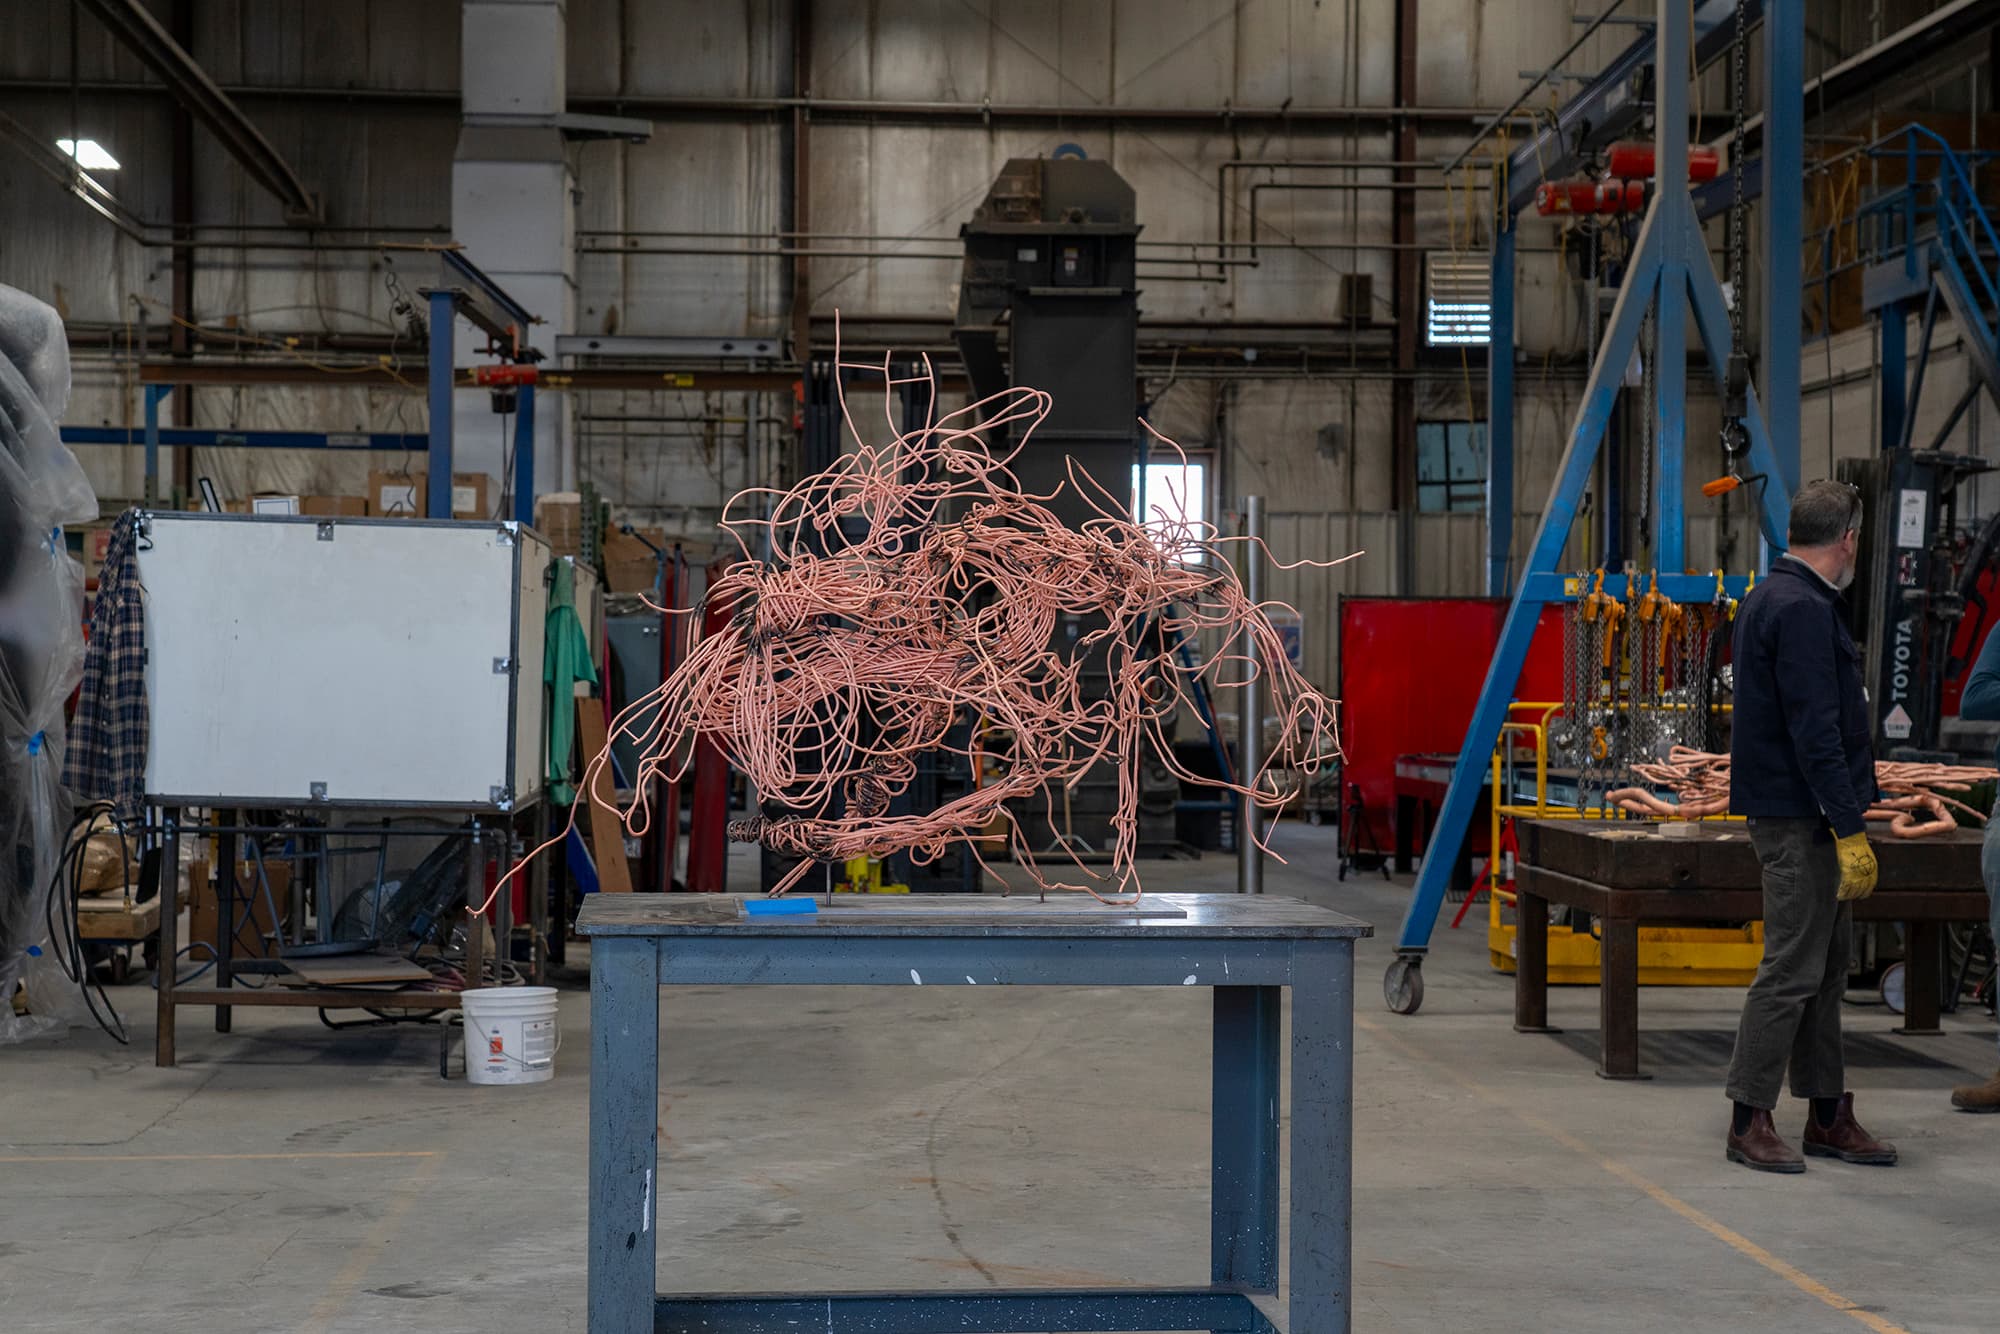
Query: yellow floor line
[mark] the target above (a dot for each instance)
(1666, 1199)
(348, 1280)
(207, 1157)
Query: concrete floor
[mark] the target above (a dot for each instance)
(285, 1178)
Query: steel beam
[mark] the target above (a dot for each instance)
(417, 379)
(524, 455)
(154, 435)
(444, 305)
(141, 33)
(1500, 415)
(1784, 229)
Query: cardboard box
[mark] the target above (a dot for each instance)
(256, 930)
(407, 495)
(334, 507)
(629, 567)
(397, 494)
(559, 518)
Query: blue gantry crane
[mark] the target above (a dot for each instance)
(1669, 276)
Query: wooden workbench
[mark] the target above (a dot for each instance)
(1626, 876)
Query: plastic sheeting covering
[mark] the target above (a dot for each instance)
(41, 654)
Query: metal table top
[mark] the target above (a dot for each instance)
(1067, 916)
(1628, 854)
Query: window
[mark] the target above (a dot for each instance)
(1458, 306)
(1451, 466)
(1173, 493)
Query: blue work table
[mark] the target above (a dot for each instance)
(1246, 949)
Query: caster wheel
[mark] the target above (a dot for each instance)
(152, 955)
(1403, 986)
(1315, 818)
(1894, 984)
(121, 970)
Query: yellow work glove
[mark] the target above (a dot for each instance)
(1858, 868)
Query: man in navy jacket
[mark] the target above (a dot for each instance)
(1981, 703)
(1802, 769)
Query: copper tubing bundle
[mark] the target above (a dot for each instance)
(912, 587)
(1912, 800)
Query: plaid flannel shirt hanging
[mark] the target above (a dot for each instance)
(107, 743)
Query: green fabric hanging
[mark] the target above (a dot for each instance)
(565, 661)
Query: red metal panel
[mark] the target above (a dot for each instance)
(1972, 632)
(1409, 676)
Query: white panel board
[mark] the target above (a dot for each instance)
(358, 654)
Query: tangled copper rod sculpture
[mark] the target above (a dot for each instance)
(913, 587)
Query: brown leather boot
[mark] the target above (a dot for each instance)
(1978, 1097)
(1762, 1148)
(1846, 1140)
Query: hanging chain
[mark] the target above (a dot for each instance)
(1648, 391)
(1739, 219)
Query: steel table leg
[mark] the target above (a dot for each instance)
(1243, 1181)
(1923, 976)
(1618, 999)
(624, 1120)
(1531, 960)
(225, 918)
(1322, 1137)
(1406, 834)
(475, 893)
(170, 937)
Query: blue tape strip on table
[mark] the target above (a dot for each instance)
(778, 907)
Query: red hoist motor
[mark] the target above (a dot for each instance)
(1634, 162)
(1628, 168)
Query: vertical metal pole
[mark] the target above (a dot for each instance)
(154, 393)
(170, 945)
(475, 894)
(524, 454)
(225, 917)
(1670, 152)
(1250, 733)
(1500, 414)
(1891, 369)
(1784, 162)
(437, 503)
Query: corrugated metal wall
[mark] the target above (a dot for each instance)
(1315, 445)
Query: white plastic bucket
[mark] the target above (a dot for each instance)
(511, 1034)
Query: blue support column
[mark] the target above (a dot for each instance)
(1671, 37)
(437, 503)
(1670, 408)
(154, 394)
(1784, 161)
(1500, 415)
(1893, 323)
(524, 454)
